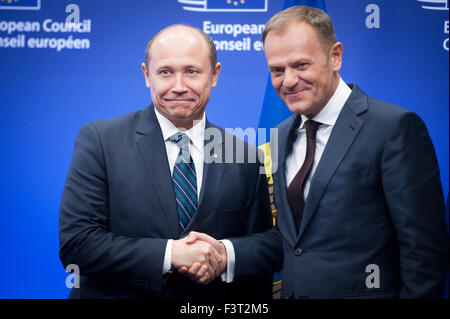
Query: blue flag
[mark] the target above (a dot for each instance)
(273, 112)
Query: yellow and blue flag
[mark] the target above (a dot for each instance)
(273, 112)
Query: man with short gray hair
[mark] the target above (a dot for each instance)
(358, 192)
(360, 207)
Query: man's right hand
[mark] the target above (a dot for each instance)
(196, 271)
(202, 255)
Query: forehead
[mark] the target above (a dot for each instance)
(180, 44)
(295, 32)
(296, 38)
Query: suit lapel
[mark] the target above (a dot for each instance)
(342, 137)
(287, 133)
(213, 169)
(152, 149)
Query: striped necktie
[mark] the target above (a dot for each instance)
(184, 181)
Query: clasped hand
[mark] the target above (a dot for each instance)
(200, 257)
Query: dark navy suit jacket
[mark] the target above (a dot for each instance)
(375, 199)
(118, 210)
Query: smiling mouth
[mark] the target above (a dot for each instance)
(179, 100)
(294, 94)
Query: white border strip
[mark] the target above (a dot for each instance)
(38, 7)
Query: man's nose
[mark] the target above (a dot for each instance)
(290, 78)
(179, 85)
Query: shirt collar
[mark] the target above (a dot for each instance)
(196, 133)
(329, 114)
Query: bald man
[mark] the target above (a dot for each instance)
(139, 183)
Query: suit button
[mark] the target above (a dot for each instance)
(298, 252)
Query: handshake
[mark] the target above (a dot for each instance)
(200, 257)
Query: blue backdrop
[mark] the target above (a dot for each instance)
(53, 79)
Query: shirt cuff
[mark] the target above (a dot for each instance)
(228, 276)
(167, 265)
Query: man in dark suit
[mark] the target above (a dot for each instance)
(139, 183)
(357, 186)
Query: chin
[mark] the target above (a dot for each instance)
(298, 109)
(180, 117)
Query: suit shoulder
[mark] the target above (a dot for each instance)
(115, 124)
(391, 113)
(384, 107)
(388, 119)
(382, 112)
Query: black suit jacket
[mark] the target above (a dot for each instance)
(375, 199)
(118, 210)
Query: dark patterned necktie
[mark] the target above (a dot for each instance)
(184, 181)
(296, 188)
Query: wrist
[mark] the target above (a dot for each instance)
(175, 263)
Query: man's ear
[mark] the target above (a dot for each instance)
(336, 56)
(144, 70)
(216, 74)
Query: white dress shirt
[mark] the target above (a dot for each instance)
(196, 136)
(327, 117)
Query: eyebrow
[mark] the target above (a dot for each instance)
(273, 67)
(293, 62)
(171, 67)
(193, 66)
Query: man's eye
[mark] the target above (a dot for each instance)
(191, 71)
(277, 71)
(164, 72)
